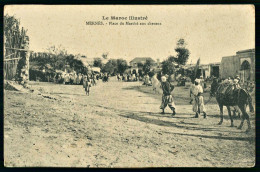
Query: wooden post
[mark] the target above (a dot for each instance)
(27, 57)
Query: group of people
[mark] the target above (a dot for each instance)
(131, 77)
(73, 78)
(196, 94)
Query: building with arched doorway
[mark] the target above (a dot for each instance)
(137, 64)
(241, 64)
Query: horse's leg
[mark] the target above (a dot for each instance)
(242, 108)
(237, 110)
(234, 113)
(221, 114)
(244, 116)
(251, 107)
(230, 116)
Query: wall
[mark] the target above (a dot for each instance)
(248, 55)
(231, 65)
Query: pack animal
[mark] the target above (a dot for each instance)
(225, 96)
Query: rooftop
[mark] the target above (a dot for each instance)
(141, 59)
(246, 51)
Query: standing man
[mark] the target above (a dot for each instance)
(198, 105)
(167, 98)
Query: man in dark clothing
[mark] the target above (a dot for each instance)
(167, 98)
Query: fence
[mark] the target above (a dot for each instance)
(16, 45)
(10, 66)
(11, 62)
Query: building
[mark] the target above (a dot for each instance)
(205, 70)
(209, 70)
(241, 64)
(140, 60)
(137, 63)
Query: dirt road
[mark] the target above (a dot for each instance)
(118, 125)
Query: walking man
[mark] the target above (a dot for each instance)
(198, 105)
(167, 98)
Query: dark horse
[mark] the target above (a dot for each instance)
(225, 96)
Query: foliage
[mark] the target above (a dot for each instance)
(147, 66)
(56, 59)
(181, 58)
(57, 50)
(114, 66)
(110, 66)
(182, 52)
(121, 65)
(168, 66)
(172, 59)
(98, 63)
(104, 55)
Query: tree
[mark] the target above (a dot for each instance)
(57, 50)
(104, 55)
(110, 66)
(98, 63)
(147, 66)
(172, 59)
(182, 52)
(121, 65)
(114, 66)
(168, 67)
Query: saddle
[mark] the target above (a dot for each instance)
(228, 92)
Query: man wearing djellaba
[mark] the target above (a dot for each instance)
(167, 98)
(198, 104)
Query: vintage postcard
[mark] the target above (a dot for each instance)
(129, 86)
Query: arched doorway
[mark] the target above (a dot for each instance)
(245, 71)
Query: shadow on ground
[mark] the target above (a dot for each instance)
(144, 117)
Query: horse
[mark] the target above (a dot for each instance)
(241, 98)
(214, 87)
(155, 83)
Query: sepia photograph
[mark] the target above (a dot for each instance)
(129, 86)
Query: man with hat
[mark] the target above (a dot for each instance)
(198, 105)
(167, 98)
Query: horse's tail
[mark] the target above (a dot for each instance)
(249, 99)
(251, 107)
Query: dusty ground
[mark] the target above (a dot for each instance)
(118, 125)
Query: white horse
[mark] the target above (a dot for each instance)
(155, 83)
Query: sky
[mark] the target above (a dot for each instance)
(210, 31)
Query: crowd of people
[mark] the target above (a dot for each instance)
(74, 78)
(129, 77)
